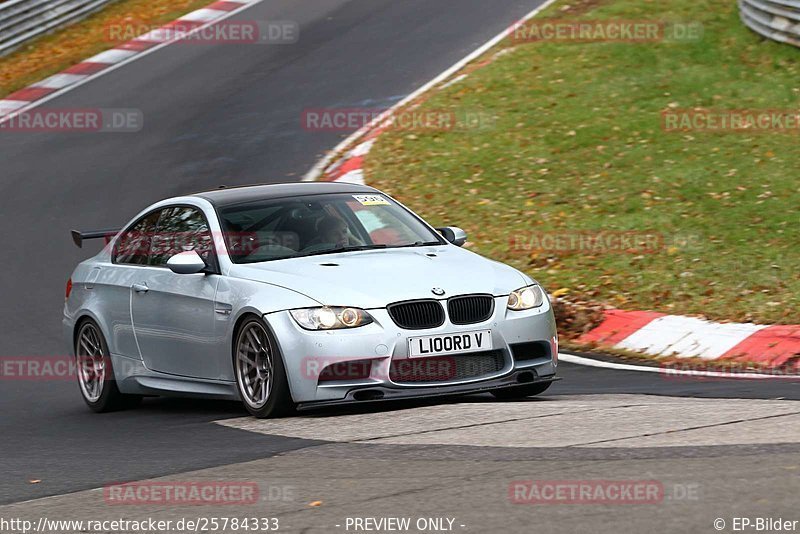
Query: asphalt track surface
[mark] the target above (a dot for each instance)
(231, 115)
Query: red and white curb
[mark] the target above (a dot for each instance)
(124, 53)
(657, 334)
(350, 168)
(649, 333)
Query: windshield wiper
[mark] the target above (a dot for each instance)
(359, 247)
(339, 249)
(420, 244)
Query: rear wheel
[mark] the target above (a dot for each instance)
(520, 392)
(260, 373)
(95, 373)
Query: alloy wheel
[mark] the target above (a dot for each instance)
(91, 362)
(254, 365)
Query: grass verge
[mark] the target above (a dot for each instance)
(57, 51)
(575, 156)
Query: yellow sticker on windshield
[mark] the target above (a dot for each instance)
(371, 200)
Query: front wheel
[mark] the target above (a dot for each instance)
(95, 374)
(520, 392)
(260, 373)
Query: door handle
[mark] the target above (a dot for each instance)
(223, 309)
(140, 288)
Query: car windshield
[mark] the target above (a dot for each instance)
(320, 224)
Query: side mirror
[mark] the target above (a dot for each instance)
(186, 263)
(454, 235)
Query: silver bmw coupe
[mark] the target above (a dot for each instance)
(294, 296)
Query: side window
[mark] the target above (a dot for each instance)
(181, 229)
(133, 246)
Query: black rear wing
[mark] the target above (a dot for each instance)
(78, 236)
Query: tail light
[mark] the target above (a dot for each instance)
(69, 289)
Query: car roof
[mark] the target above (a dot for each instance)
(228, 196)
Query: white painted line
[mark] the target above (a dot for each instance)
(203, 15)
(454, 81)
(589, 362)
(687, 337)
(246, 4)
(112, 56)
(59, 81)
(317, 169)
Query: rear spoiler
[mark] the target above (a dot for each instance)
(78, 236)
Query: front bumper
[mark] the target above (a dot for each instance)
(382, 345)
(378, 394)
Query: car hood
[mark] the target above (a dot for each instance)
(375, 278)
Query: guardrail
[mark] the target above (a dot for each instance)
(778, 20)
(21, 20)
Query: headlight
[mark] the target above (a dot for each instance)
(526, 298)
(330, 318)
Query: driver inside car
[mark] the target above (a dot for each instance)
(332, 231)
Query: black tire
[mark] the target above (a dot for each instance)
(278, 401)
(520, 392)
(110, 399)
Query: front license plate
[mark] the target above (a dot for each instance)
(449, 343)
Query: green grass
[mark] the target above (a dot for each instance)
(577, 146)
